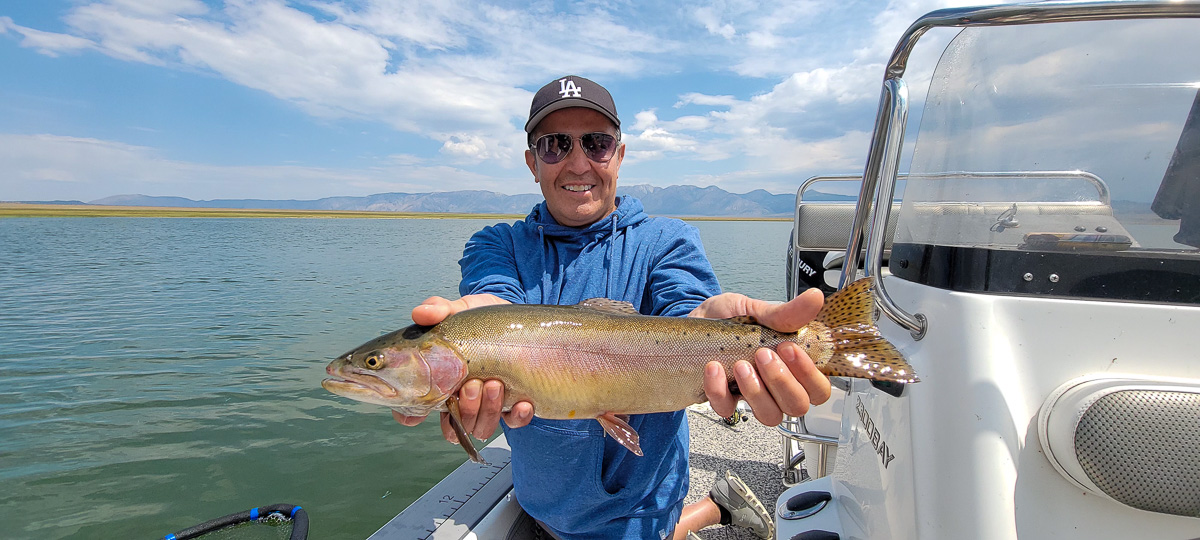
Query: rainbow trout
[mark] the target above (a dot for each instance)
(597, 359)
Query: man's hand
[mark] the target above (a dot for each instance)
(783, 382)
(479, 401)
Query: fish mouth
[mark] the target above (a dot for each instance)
(366, 385)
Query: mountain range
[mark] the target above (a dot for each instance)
(679, 200)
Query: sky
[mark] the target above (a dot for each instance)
(304, 99)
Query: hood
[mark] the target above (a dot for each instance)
(568, 242)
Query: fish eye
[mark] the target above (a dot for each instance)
(373, 361)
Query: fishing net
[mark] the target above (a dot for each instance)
(275, 522)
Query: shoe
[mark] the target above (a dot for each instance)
(732, 494)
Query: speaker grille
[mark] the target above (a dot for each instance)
(1142, 448)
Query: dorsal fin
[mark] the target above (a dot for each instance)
(850, 306)
(609, 306)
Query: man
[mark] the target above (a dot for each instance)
(582, 242)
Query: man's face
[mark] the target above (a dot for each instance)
(578, 191)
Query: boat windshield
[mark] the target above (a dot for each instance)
(1059, 159)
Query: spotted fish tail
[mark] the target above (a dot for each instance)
(858, 348)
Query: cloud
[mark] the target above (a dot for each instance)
(457, 72)
(712, 22)
(796, 128)
(48, 43)
(695, 98)
(821, 82)
(827, 61)
(781, 164)
(329, 68)
(426, 67)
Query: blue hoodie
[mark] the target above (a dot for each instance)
(567, 474)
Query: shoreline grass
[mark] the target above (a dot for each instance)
(23, 210)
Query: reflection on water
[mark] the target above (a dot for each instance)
(156, 373)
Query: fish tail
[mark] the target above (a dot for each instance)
(858, 348)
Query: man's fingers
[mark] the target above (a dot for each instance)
(432, 311)
(756, 393)
(789, 394)
(790, 316)
(408, 420)
(815, 383)
(520, 415)
(716, 388)
(489, 409)
(435, 309)
(469, 402)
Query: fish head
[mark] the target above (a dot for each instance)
(411, 370)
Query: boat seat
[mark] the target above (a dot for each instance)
(820, 233)
(826, 225)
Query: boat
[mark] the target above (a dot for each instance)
(1038, 264)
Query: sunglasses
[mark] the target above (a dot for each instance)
(554, 147)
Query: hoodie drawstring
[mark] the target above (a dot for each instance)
(609, 263)
(546, 283)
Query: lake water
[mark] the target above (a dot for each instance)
(157, 373)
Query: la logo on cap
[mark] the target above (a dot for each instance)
(569, 93)
(567, 88)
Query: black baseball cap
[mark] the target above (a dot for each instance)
(571, 91)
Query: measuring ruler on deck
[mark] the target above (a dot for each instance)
(451, 509)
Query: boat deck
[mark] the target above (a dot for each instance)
(749, 449)
(462, 504)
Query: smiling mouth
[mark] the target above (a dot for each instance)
(579, 188)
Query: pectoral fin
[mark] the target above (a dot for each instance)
(464, 440)
(621, 431)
